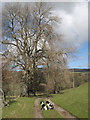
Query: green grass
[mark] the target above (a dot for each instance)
(50, 113)
(74, 100)
(21, 108)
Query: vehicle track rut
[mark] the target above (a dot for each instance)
(37, 111)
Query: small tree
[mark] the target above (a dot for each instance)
(11, 81)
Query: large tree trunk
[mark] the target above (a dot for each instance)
(34, 93)
(4, 100)
(55, 92)
(4, 96)
(28, 92)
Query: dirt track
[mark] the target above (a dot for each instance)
(37, 110)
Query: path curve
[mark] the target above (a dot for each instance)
(37, 111)
(63, 112)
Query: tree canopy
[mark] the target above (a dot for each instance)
(28, 31)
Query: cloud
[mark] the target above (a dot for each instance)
(63, 6)
(81, 58)
(74, 24)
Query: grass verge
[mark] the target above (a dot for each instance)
(21, 108)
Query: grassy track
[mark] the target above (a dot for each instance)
(50, 113)
(22, 108)
(74, 100)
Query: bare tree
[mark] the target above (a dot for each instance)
(28, 33)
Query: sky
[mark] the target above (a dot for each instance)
(74, 27)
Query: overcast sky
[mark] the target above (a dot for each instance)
(74, 27)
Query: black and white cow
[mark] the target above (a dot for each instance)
(49, 105)
(44, 107)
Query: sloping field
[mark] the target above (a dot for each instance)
(74, 100)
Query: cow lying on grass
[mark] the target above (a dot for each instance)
(49, 106)
(43, 106)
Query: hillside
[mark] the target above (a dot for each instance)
(74, 100)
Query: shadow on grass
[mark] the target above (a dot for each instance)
(45, 95)
(11, 102)
(41, 95)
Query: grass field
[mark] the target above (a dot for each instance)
(74, 100)
(21, 108)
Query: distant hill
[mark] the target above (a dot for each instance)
(79, 70)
